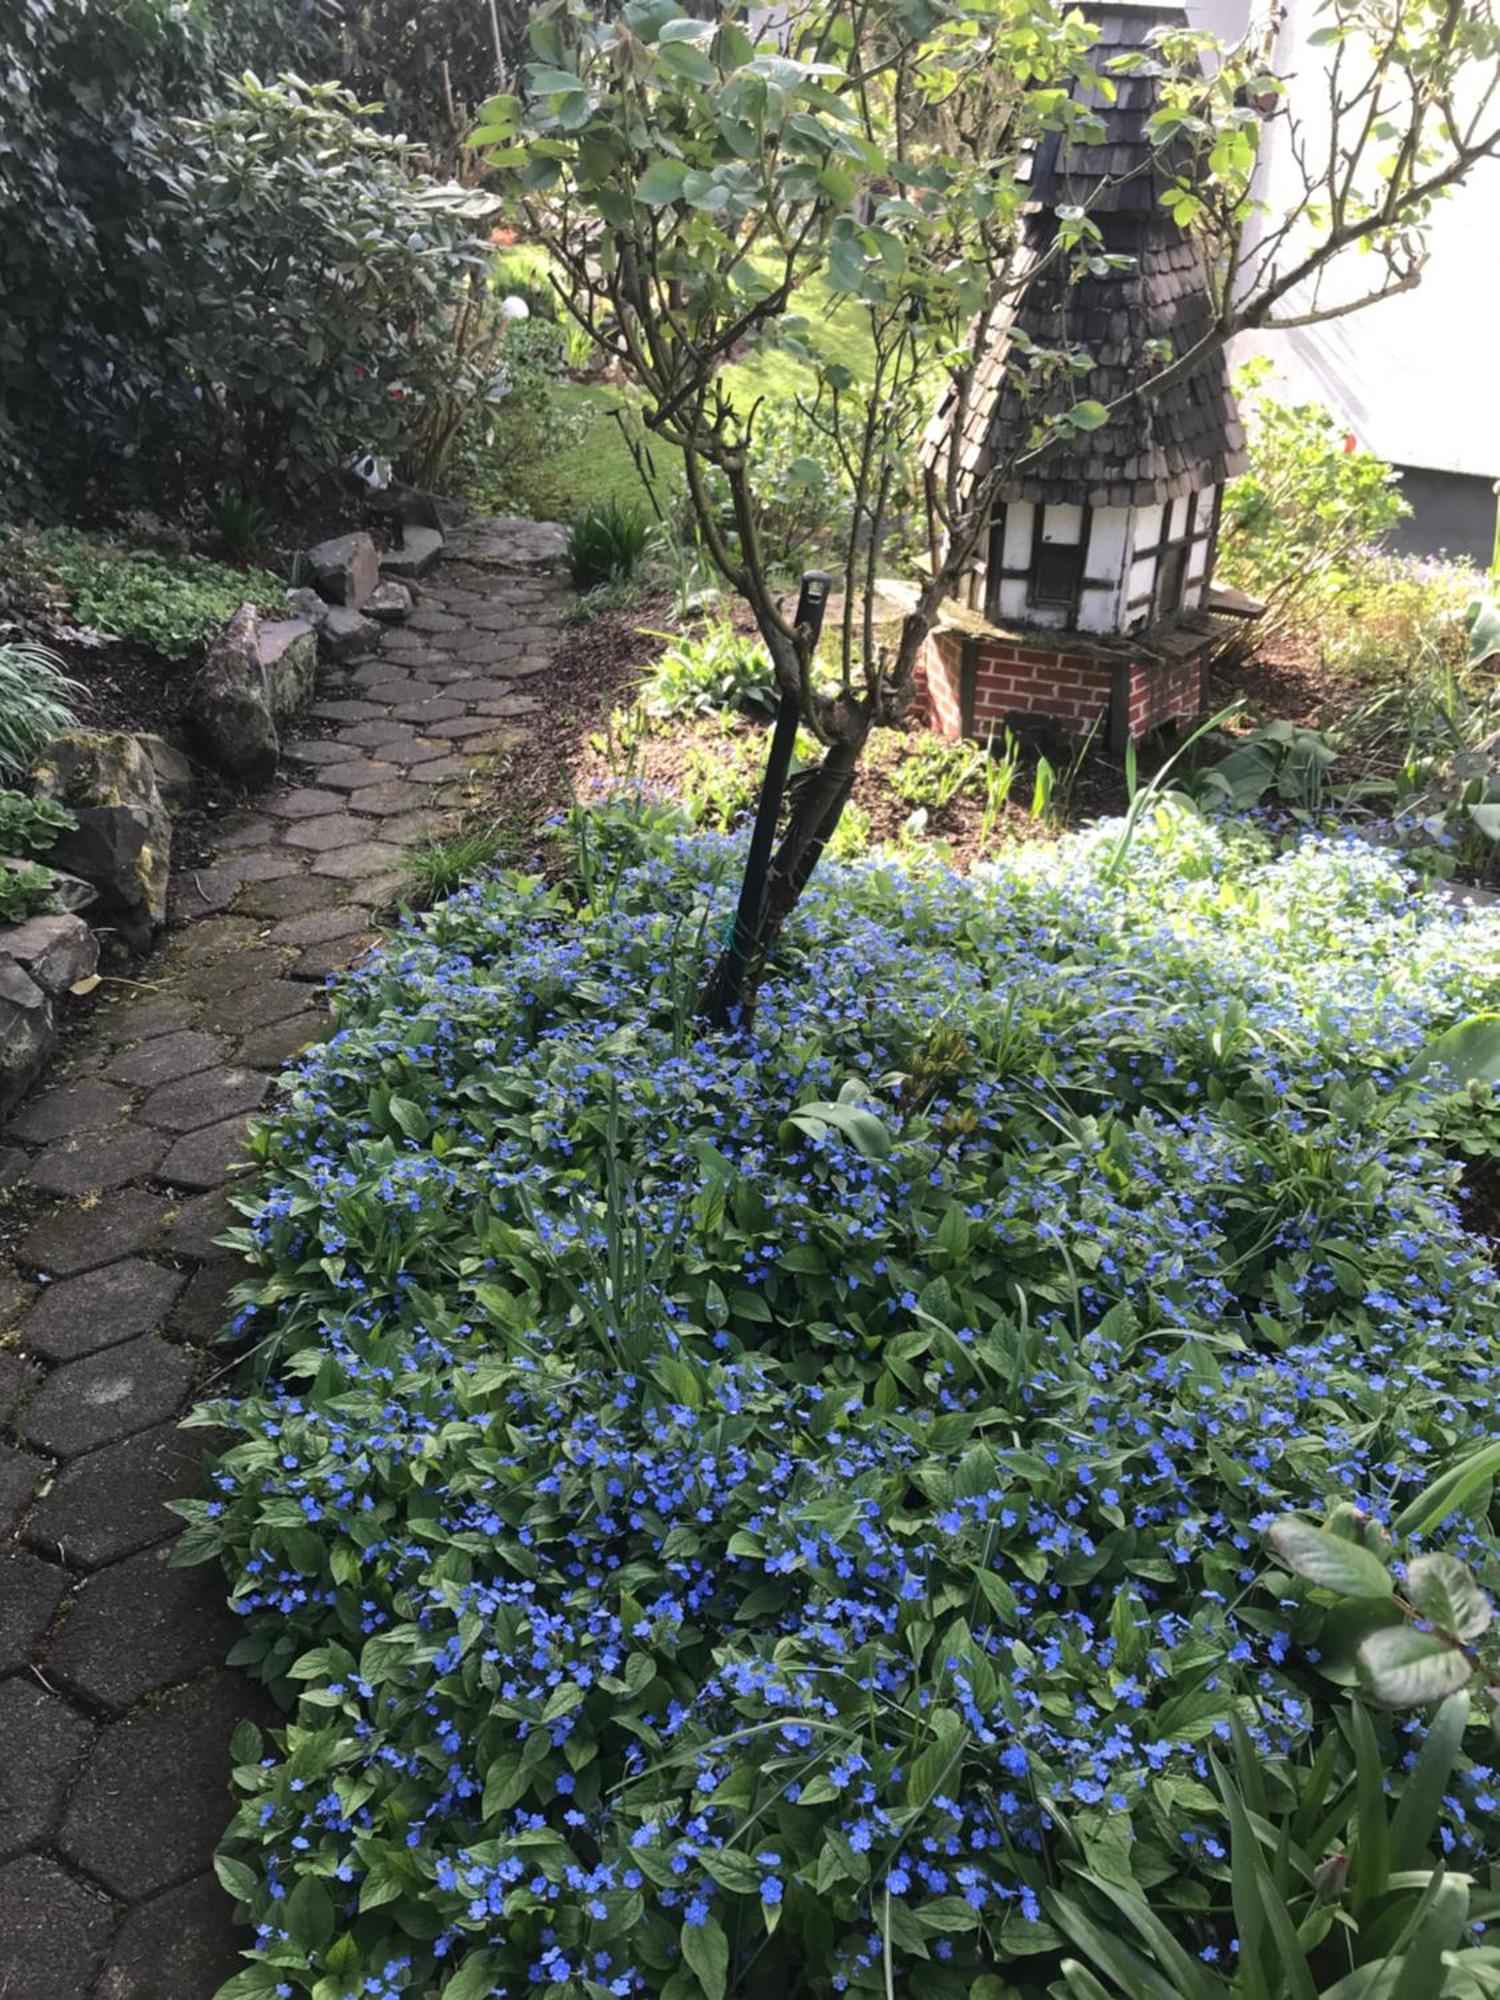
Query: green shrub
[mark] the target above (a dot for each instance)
(36, 699)
(83, 85)
(172, 604)
(607, 544)
(716, 668)
(344, 347)
(26, 890)
(784, 1513)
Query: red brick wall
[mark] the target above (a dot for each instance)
(1027, 677)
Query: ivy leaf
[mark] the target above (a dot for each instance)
(706, 1950)
(661, 183)
(1408, 1669)
(1328, 1560)
(1444, 1590)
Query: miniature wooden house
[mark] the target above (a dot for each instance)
(1089, 601)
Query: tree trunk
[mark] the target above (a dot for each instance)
(729, 995)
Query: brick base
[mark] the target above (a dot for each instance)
(969, 685)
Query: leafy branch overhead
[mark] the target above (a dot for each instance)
(699, 181)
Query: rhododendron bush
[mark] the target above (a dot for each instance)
(783, 1514)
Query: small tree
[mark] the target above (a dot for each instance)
(697, 187)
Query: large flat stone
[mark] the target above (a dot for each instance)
(30, 1592)
(153, 1799)
(70, 1109)
(140, 1626)
(107, 1397)
(113, 1502)
(396, 795)
(212, 1094)
(167, 1058)
(74, 1239)
(182, 1945)
(44, 1740)
(84, 1315)
(303, 802)
(207, 1158)
(418, 551)
(53, 1931)
(320, 961)
(359, 774)
(232, 972)
(94, 1162)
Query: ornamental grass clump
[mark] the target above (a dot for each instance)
(784, 1514)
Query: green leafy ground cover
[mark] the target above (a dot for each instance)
(783, 1514)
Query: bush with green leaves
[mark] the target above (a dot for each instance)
(753, 1513)
(31, 826)
(1298, 526)
(36, 704)
(607, 544)
(175, 605)
(314, 273)
(705, 672)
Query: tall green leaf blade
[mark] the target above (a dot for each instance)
(1447, 1493)
(1422, 1794)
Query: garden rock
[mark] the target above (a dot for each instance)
(308, 606)
(229, 706)
(288, 654)
(172, 771)
(345, 570)
(419, 550)
(69, 892)
(27, 1032)
(122, 843)
(390, 603)
(55, 952)
(344, 633)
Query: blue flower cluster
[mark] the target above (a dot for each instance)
(714, 1546)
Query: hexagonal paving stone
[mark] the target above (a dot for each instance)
(360, 773)
(109, 1504)
(422, 750)
(423, 714)
(379, 892)
(20, 1475)
(166, 1058)
(302, 802)
(286, 898)
(215, 938)
(270, 1048)
(81, 1239)
(232, 972)
(44, 1739)
(73, 1107)
(182, 1945)
(371, 735)
(53, 1931)
(149, 1804)
(317, 927)
(30, 1592)
(321, 836)
(263, 864)
(207, 1158)
(199, 1222)
(254, 1005)
(18, 1378)
(347, 711)
(242, 830)
(396, 796)
(94, 1162)
(319, 961)
(458, 727)
(409, 828)
(424, 619)
(206, 1308)
(110, 1396)
(349, 864)
(439, 771)
(313, 750)
(84, 1315)
(202, 894)
(140, 1019)
(138, 1626)
(405, 688)
(203, 1099)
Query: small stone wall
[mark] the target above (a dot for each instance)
(976, 683)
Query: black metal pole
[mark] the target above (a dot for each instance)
(812, 601)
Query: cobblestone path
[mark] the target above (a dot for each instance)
(115, 1703)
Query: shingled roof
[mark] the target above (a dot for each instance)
(1190, 436)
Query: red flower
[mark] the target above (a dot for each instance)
(1351, 442)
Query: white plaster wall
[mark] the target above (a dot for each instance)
(1019, 527)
